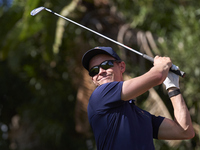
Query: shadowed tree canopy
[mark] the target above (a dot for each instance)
(44, 90)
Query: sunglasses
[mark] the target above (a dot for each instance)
(104, 65)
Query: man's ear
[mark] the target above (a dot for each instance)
(122, 66)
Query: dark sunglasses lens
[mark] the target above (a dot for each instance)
(106, 65)
(94, 71)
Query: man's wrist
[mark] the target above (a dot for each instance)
(172, 89)
(174, 92)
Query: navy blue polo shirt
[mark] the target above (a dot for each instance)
(119, 124)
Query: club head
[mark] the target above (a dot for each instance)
(36, 11)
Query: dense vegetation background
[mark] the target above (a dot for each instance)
(41, 76)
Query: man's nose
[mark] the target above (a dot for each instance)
(101, 70)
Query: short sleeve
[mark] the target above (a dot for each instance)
(156, 121)
(106, 97)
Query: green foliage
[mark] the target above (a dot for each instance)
(39, 85)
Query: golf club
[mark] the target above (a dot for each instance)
(172, 69)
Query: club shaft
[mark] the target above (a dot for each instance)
(141, 54)
(178, 72)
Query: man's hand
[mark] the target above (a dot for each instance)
(162, 65)
(172, 79)
(163, 61)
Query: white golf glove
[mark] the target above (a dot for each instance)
(172, 79)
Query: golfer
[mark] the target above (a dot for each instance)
(117, 123)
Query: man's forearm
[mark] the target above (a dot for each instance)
(182, 115)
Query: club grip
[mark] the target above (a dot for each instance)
(178, 72)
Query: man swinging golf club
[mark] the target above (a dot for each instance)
(117, 123)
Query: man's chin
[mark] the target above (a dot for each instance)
(105, 81)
